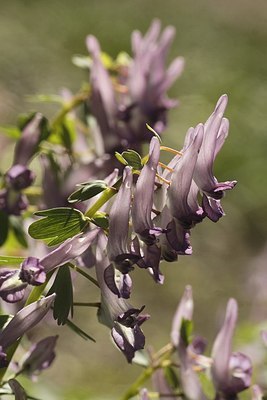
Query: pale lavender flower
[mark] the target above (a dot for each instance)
(149, 79)
(189, 379)
(118, 247)
(215, 133)
(143, 197)
(231, 372)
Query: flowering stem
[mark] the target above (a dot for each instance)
(105, 196)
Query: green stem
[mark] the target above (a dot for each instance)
(138, 384)
(75, 102)
(87, 276)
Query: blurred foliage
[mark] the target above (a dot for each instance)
(224, 44)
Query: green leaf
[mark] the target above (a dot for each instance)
(10, 260)
(17, 227)
(79, 331)
(186, 331)
(4, 226)
(57, 225)
(207, 385)
(133, 159)
(120, 158)
(87, 191)
(100, 219)
(171, 377)
(84, 62)
(62, 286)
(3, 320)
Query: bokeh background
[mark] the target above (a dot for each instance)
(225, 47)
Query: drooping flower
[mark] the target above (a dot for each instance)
(19, 177)
(118, 247)
(117, 313)
(215, 133)
(40, 356)
(32, 271)
(143, 197)
(231, 372)
(11, 287)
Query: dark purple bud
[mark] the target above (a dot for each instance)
(19, 177)
(40, 356)
(32, 271)
(11, 288)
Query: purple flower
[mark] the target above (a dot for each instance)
(12, 202)
(189, 379)
(231, 372)
(25, 320)
(19, 177)
(118, 247)
(143, 197)
(40, 356)
(17, 389)
(32, 271)
(215, 133)
(11, 288)
(117, 313)
(148, 78)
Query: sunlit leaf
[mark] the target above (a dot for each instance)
(57, 225)
(133, 159)
(87, 191)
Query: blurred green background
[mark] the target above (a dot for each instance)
(225, 47)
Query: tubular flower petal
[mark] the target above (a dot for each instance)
(184, 207)
(118, 243)
(143, 196)
(231, 372)
(215, 133)
(25, 320)
(117, 313)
